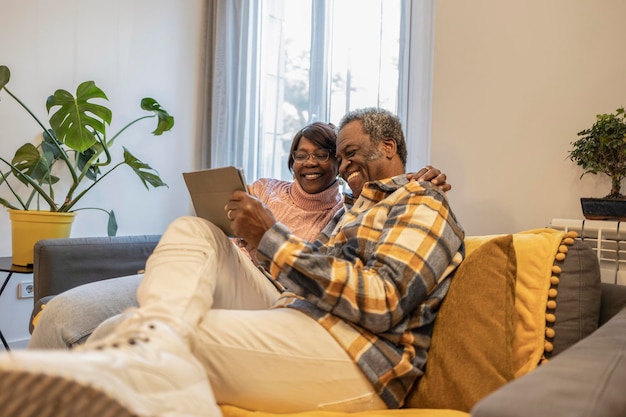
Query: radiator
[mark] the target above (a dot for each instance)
(607, 238)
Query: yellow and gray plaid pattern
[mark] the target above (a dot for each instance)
(375, 278)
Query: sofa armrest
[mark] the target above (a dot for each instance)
(613, 301)
(61, 264)
(584, 380)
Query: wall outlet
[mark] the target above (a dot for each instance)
(25, 289)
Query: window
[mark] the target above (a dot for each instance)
(301, 61)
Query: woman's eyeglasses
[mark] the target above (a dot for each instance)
(321, 155)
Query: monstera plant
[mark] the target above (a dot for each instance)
(75, 144)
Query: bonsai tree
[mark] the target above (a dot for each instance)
(602, 149)
(77, 143)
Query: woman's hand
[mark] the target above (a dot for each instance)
(432, 174)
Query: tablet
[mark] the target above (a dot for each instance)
(210, 190)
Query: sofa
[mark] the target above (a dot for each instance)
(527, 328)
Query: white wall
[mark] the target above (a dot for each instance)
(131, 49)
(514, 82)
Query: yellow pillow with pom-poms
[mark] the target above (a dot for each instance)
(491, 327)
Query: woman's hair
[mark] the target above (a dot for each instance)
(323, 135)
(379, 124)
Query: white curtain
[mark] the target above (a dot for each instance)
(416, 79)
(232, 74)
(232, 120)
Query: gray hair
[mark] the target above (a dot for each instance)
(379, 124)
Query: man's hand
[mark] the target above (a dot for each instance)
(249, 217)
(432, 174)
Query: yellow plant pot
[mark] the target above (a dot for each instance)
(30, 226)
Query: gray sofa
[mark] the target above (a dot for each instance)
(62, 264)
(585, 379)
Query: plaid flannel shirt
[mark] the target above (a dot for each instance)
(375, 278)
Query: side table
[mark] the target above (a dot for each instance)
(6, 265)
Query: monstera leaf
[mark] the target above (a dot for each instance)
(143, 171)
(166, 122)
(92, 171)
(37, 166)
(77, 120)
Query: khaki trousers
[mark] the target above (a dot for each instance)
(256, 357)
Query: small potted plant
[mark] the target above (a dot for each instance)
(602, 149)
(75, 144)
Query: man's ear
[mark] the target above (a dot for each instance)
(389, 148)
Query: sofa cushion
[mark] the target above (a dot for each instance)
(536, 251)
(586, 380)
(613, 301)
(578, 287)
(230, 411)
(470, 354)
(36, 313)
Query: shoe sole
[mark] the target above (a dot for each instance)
(24, 394)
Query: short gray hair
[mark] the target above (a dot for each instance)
(379, 124)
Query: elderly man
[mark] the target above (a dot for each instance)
(349, 331)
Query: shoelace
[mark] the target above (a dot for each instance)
(134, 329)
(130, 331)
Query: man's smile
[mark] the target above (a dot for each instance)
(352, 176)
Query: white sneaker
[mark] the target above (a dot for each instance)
(143, 369)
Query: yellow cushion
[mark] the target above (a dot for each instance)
(35, 319)
(536, 251)
(470, 354)
(230, 411)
